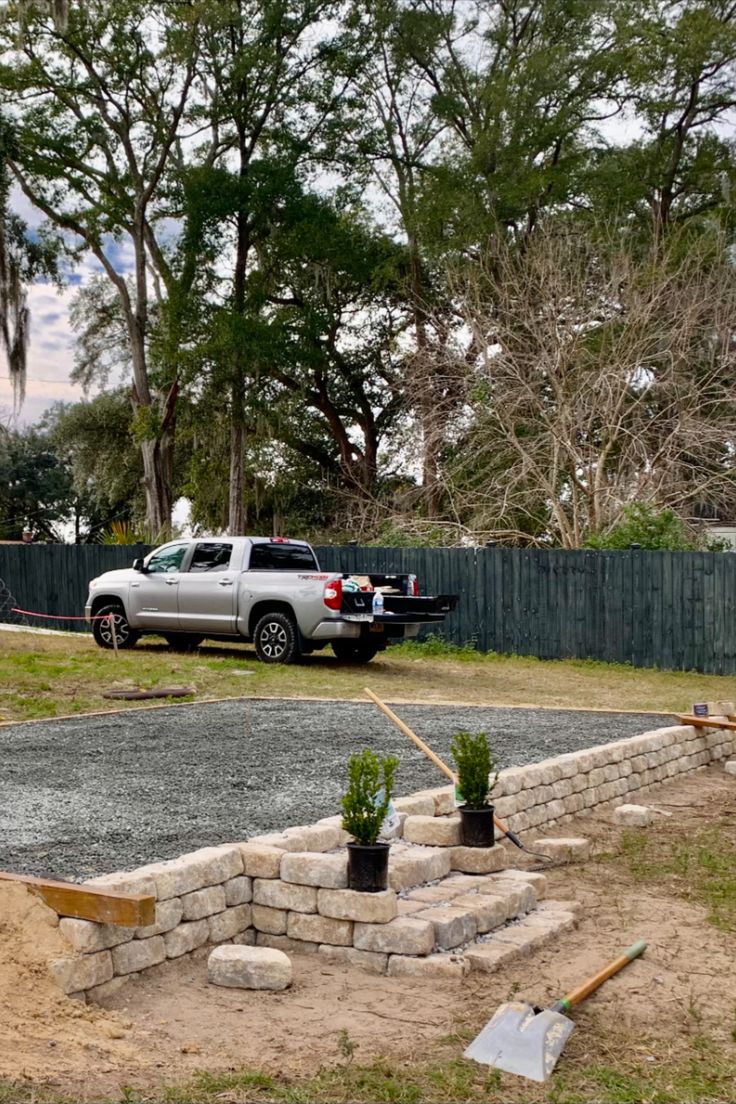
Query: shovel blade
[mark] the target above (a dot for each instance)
(519, 1040)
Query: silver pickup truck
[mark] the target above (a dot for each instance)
(270, 591)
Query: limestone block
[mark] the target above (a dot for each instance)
(284, 895)
(404, 935)
(283, 943)
(466, 883)
(249, 968)
(238, 891)
(558, 921)
(562, 789)
(434, 965)
(579, 783)
(84, 972)
(320, 929)
(730, 766)
(139, 954)
(84, 936)
(220, 863)
(533, 776)
(510, 781)
(245, 938)
(260, 860)
(371, 961)
(452, 924)
(478, 860)
(488, 957)
(274, 839)
(551, 771)
(607, 791)
(633, 816)
(270, 920)
(416, 865)
(135, 881)
(225, 925)
(574, 849)
(415, 805)
(336, 823)
(315, 869)
(168, 916)
(505, 807)
(537, 881)
(349, 904)
(432, 830)
(408, 908)
(521, 822)
(574, 803)
(544, 794)
(312, 837)
(434, 895)
(175, 877)
(596, 777)
(611, 772)
(555, 906)
(444, 799)
(109, 988)
(186, 938)
(203, 902)
(555, 808)
(489, 912)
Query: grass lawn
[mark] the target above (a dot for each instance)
(48, 676)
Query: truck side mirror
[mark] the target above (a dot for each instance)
(138, 564)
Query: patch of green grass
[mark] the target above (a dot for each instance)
(434, 647)
(701, 868)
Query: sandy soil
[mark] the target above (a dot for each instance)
(172, 1024)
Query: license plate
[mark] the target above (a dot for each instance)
(358, 616)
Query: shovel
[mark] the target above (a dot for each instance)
(528, 1041)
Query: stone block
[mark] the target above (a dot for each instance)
(203, 902)
(134, 881)
(443, 798)
(537, 881)
(238, 891)
(249, 968)
(85, 972)
(416, 865)
(283, 943)
(432, 830)
(505, 807)
(319, 929)
(465, 883)
(415, 805)
(408, 908)
(312, 837)
(175, 877)
(285, 895)
(226, 925)
(315, 869)
(489, 912)
(574, 849)
(557, 921)
(404, 935)
(245, 938)
(129, 958)
(434, 965)
(555, 906)
(435, 894)
(349, 904)
(220, 863)
(488, 957)
(510, 781)
(270, 920)
(274, 839)
(518, 897)
(85, 937)
(478, 860)
(371, 961)
(452, 924)
(633, 816)
(100, 993)
(730, 766)
(336, 822)
(168, 916)
(186, 938)
(261, 861)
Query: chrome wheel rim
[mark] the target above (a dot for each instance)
(274, 640)
(122, 629)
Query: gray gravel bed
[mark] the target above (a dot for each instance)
(93, 794)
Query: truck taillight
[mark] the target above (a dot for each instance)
(413, 586)
(333, 594)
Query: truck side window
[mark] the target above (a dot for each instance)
(281, 557)
(166, 560)
(211, 556)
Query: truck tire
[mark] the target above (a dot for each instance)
(102, 632)
(183, 642)
(276, 639)
(354, 651)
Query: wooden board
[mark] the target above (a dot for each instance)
(705, 722)
(127, 910)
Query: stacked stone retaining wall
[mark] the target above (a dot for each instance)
(289, 890)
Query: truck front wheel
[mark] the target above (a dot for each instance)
(125, 637)
(354, 651)
(276, 639)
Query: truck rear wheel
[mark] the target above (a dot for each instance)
(125, 637)
(276, 639)
(354, 651)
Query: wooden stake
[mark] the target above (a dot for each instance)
(114, 634)
(86, 902)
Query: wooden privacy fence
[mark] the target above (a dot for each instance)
(650, 609)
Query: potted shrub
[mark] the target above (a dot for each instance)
(364, 808)
(474, 765)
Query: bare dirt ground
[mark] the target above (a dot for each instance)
(163, 1027)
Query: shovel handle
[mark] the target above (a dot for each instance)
(575, 996)
(434, 759)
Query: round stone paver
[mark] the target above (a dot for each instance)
(249, 968)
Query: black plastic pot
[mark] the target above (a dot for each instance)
(368, 867)
(477, 826)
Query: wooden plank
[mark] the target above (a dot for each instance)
(704, 722)
(126, 910)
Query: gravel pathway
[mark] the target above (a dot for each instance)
(93, 794)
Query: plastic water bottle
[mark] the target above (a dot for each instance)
(377, 602)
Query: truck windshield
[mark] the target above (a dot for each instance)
(282, 557)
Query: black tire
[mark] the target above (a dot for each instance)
(102, 631)
(354, 651)
(183, 642)
(276, 639)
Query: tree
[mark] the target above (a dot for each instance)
(35, 486)
(99, 102)
(645, 527)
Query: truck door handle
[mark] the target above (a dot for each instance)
(171, 582)
(224, 582)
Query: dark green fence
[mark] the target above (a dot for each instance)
(650, 609)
